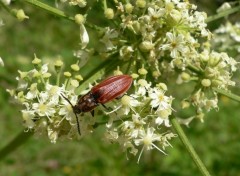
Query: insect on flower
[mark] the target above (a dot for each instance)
(107, 90)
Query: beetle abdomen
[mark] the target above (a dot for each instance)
(111, 88)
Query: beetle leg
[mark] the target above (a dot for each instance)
(78, 125)
(107, 108)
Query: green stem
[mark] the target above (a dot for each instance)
(227, 94)
(222, 14)
(7, 8)
(194, 69)
(20, 139)
(50, 9)
(189, 147)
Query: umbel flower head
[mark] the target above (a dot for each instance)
(171, 37)
(134, 121)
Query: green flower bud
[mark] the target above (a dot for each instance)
(47, 75)
(109, 13)
(142, 71)
(174, 17)
(21, 15)
(79, 77)
(79, 19)
(185, 104)
(67, 74)
(74, 83)
(146, 46)
(141, 3)
(129, 8)
(185, 76)
(125, 100)
(75, 67)
(36, 61)
(206, 82)
(134, 75)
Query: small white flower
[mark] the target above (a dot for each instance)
(44, 108)
(175, 45)
(159, 100)
(53, 135)
(163, 117)
(84, 36)
(143, 87)
(147, 139)
(83, 56)
(106, 40)
(54, 92)
(156, 13)
(33, 91)
(128, 103)
(22, 84)
(66, 109)
(28, 116)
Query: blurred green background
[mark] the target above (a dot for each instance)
(217, 141)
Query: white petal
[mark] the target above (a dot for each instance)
(83, 36)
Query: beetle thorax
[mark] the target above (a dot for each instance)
(85, 103)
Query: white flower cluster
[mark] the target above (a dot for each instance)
(44, 109)
(228, 35)
(170, 36)
(144, 119)
(161, 32)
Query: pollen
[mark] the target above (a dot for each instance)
(42, 108)
(147, 141)
(161, 97)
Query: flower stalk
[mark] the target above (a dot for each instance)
(189, 147)
(20, 139)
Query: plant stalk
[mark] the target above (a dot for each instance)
(189, 147)
(20, 139)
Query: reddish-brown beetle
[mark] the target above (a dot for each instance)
(107, 90)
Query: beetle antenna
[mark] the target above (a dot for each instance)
(78, 125)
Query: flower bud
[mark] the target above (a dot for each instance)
(79, 77)
(174, 17)
(75, 67)
(185, 104)
(142, 71)
(47, 75)
(125, 100)
(21, 15)
(206, 82)
(141, 3)
(142, 82)
(117, 72)
(109, 13)
(185, 76)
(67, 74)
(156, 74)
(74, 83)
(146, 46)
(129, 8)
(58, 63)
(134, 75)
(79, 19)
(36, 61)
(162, 86)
